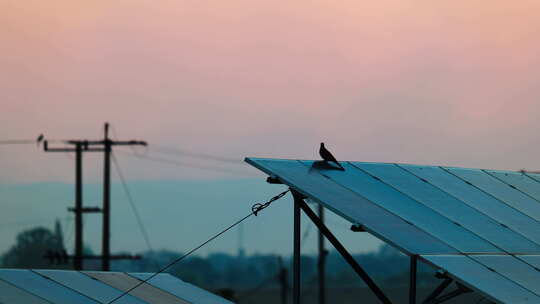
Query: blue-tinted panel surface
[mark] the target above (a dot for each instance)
(522, 182)
(534, 175)
(478, 199)
(42, 287)
(533, 260)
(144, 291)
(89, 287)
(500, 190)
(454, 209)
(513, 269)
(181, 289)
(10, 294)
(482, 279)
(403, 206)
(352, 206)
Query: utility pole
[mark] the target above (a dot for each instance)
(80, 147)
(104, 146)
(106, 238)
(322, 261)
(107, 144)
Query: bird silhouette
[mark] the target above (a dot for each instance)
(40, 138)
(328, 157)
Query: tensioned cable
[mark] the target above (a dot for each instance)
(255, 209)
(27, 141)
(176, 151)
(183, 164)
(18, 142)
(132, 203)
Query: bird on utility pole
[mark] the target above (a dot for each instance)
(328, 157)
(39, 139)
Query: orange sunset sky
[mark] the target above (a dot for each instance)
(431, 82)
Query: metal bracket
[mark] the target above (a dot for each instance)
(86, 209)
(357, 228)
(273, 180)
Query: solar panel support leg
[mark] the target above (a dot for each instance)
(412, 279)
(459, 291)
(344, 253)
(438, 290)
(298, 200)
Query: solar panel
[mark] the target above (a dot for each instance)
(502, 191)
(42, 287)
(462, 214)
(521, 181)
(377, 192)
(479, 277)
(181, 289)
(481, 226)
(513, 269)
(478, 199)
(11, 294)
(74, 287)
(145, 291)
(353, 207)
(533, 260)
(88, 286)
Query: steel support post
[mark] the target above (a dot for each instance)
(344, 253)
(298, 200)
(322, 261)
(412, 279)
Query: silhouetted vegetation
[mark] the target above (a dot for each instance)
(245, 278)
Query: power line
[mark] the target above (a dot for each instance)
(176, 151)
(183, 164)
(132, 203)
(18, 142)
(27, 141)
(255, 209)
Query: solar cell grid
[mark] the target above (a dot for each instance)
(181, 289)
(481, 278)
(145, 291)
(471, 219)
(488, 219)
(396, 202)
(353, 207)
(513, 269)
(11, 294)
(502, 191)
(88, 286)
(44, 288)
(480, 200)
(520, 181)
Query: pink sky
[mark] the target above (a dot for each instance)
(431, 82)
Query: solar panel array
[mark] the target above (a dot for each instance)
(481, 226)
(73, 287)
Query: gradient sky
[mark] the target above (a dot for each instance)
(431, 82)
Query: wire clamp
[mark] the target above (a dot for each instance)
(256, 208)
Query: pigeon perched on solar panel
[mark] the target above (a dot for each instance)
(328, 157)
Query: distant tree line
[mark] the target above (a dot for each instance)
(221, 270)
